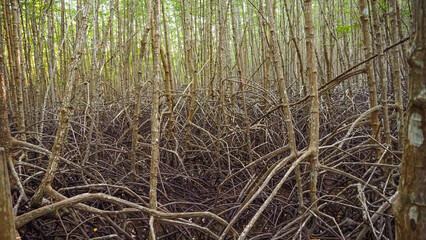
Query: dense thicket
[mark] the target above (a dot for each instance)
(227, 119)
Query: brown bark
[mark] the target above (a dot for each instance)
(7, 221)
(298, 52)
(168, 78)
(396, 65)
(314, 117)
(191, 70)
(410, 207)
(138, 89)
(368, 52)
(285, 107)
(241, 70)
(382, 72)
(278, 64)
(155, 115)
(16, 54)
(64, 113)
(220, 61)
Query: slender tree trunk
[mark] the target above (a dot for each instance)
(138, 89)
(382, 72)
(396, 66)
(38, 38)
(314, 117)
(210, 49)
(241, 70)
(280, 75)
(266, 56)
(168, 82)
(155, 115)
(298, 52)
(328, 69)
(410, 207)
(64, 114)
(19, 77)
(368, 51)
(220, 60)
(7, 221)
(191, 70)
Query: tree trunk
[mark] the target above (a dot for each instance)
(396, 65)
(155, 115)
(7, 221)
(314, 118)
(382, 72)
(138, 89)
(19, 80)
(410, 207)
(278, 64)
(368, 51)
(241, 70)
(191, 70)
(64, 114)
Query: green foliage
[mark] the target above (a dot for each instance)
(342, 30)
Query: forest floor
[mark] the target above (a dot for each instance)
(218, 174)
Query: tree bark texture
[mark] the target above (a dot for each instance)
(7, 221)
(410, 207)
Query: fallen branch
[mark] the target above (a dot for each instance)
(69, 202)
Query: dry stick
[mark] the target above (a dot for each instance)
(308, 211)
(192, 225)
(118, 228)
(341, 77)
(333, 220)
(266, 157)
(354, 178)
(339, 129)
(286, 228)
(110, 236)
(22, 195)
(375, 167)
(73, 201)
(376, 108)
(124, 188)
(365, 215)
(375, 216)
(264, 180)
(322, 89)
(175, 152)
(300, 228)
(17, 144)
(272, 195)
(385, 147)
(80, 225)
